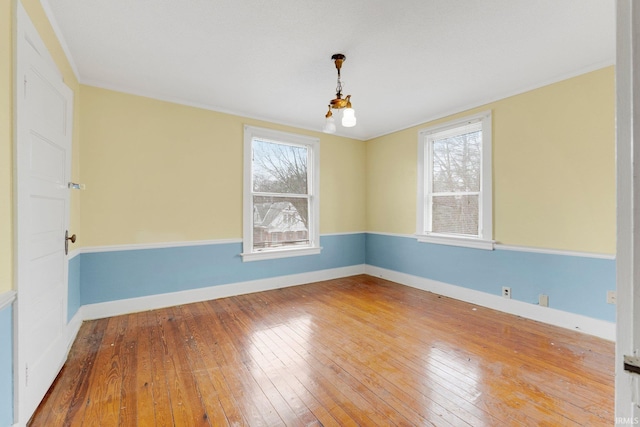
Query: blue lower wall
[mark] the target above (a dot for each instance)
(109, 276)
(6, 367)
(575, 284)
(73, 291)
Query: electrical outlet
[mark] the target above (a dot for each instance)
(543, 300)
(611, 297)
(506, 292)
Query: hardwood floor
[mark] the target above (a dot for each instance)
(353, 351)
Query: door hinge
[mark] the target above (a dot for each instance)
(632, 364)
(26, 375)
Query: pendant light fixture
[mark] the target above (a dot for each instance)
(348, 115)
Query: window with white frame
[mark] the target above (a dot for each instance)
(281, 189)
(454, 183)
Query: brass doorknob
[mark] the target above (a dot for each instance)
(66, 241)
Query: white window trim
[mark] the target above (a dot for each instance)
(248, 254)
(485, 239)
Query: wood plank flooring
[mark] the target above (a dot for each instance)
(354, 351)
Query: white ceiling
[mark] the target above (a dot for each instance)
(408, 61)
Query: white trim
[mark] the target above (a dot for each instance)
(58, 32)
(381, 233)
(162, 245)
(74, 253)
(500, 246)
(312, 145)
(346, 233)
(553, 251)
(7, 298)
(467, 242)
(151, 302)
(563, 319)
(281, 253)
(483, 121)
(166, 245)
(627, 114)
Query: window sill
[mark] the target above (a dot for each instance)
(467, 242)
(280, 253)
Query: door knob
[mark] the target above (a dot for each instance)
(66, 241)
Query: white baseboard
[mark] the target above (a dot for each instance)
(563, 319)
(576, 322)
(73, 327)
(151, 302)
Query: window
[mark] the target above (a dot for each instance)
(454, 183)
(281, 187)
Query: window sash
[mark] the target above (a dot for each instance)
(254, 250)
(430, 139)
(432, 218)
(271, 141)
(287, 234)
(426, 138)
(273, 240)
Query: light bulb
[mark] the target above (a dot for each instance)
(349, 118)
(329, 125)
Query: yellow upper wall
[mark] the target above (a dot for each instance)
(553, 168)
(7, 65)
(159, 172)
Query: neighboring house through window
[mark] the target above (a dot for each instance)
(454, 183)
(281, 188)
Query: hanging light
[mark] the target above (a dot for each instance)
(349, 114)
(330, 122)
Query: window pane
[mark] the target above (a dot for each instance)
(456, 163)
(280, 221)
(279, 168)
(455, 214)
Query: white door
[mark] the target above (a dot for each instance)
(628, 212)
(43, 161)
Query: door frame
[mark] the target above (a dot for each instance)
(627, 207)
